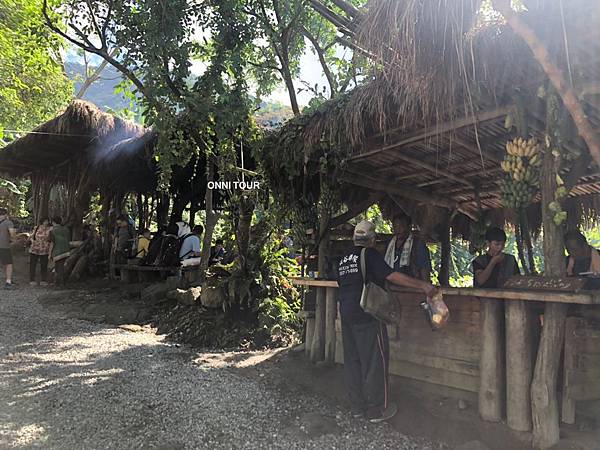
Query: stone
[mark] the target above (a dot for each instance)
(185, 296)
(155, 293)
(212, 297)
(190, 296)
(131, 327)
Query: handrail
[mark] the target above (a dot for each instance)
(581, 298)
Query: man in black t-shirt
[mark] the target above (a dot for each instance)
(583, 258)
(495, 267)
(365, 339)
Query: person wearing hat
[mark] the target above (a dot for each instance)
(365, 339)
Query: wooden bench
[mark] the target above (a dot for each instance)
(133, 273)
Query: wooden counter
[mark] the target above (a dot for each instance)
(580, 298)
(487, 351)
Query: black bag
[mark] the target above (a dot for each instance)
(153, 251)
(377, 301)
(170, 248)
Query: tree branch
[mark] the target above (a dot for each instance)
(564, 89)
(321, 55)
(343, 24)
(348, 8)
(356, 209)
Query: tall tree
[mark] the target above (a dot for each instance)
(33, 86)
(157, 41)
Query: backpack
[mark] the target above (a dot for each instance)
(169, 251)
(154, 250)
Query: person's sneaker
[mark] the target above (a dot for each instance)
(381, 415)
(9, 285)
(358, 413)
(43, 283)
(32, 283)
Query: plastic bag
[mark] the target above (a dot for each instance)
(436, 311)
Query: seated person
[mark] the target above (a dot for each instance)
(407, 253)
(582, 256)
(190, 246)
(495, 267)
(143, 243)
(217, 252)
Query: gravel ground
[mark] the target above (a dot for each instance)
(70, 384)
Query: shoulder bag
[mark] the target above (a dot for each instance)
(377, 301)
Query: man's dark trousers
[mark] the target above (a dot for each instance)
(366, 361)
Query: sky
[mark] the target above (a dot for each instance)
(310, 72)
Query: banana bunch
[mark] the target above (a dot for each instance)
(517, 194)
(329, 200)
(302, 219)
(522, 167)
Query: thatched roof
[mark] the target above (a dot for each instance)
(434, 122)
(81, 131)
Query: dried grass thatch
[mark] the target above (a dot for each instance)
(78, 132)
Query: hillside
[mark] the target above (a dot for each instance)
(102, 93)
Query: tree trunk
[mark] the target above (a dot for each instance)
(106, 225)
(211, 220)
(544, 402)
(289, 84)
(246, 208)
(141, 212)
(543, 57)
(526, 233)
(162, 211)
(446, 256)
(318, 345)
(520, 247)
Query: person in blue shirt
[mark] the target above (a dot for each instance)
(190, 246)
(406, 252)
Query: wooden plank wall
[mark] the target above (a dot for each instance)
(582, 362)
(449, 357)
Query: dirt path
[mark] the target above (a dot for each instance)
(68, 384)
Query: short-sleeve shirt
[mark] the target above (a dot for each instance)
(40, 240)
(124, 237)
(581, 265)
(422, 259)
(500, 273)
(5, 226)
(350, 282)
(190, 245)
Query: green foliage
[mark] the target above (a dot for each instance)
(33, 86)
(461, 274)
(261, 286)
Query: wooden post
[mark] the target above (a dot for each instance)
(317, 351)
(310, 331)
(330, 315)
(568, 403)
(519, 364)
(491, 364)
